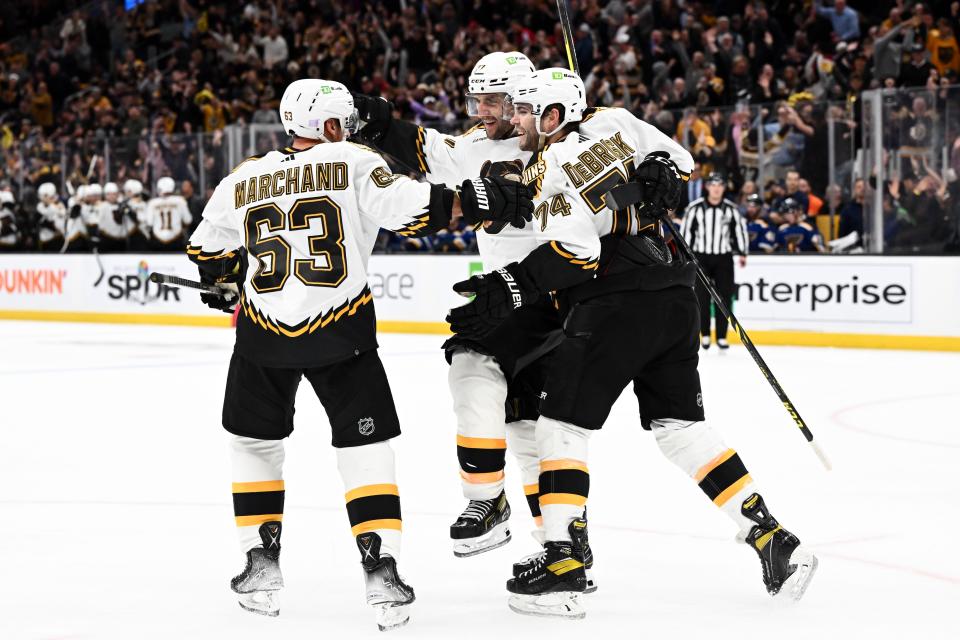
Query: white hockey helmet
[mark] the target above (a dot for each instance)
(110, 189)
(47, 191)
(80, 193)
(166, 186)
(307, 104)
(132, 188)
(548, 87)
(496, 72)
(93, 191)
(6, 197)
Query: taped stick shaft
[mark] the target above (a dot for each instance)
(163, 278)
(568, 36)
(751, 349)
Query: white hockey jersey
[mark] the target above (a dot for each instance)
(570, 179)
(452, 159)
(8, 228)
(53, 220)
(308, 221)
(90, 212)
(74, 228)
(166, 217)
(110, 227)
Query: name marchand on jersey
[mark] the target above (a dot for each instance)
(306, 178)
(308, 221)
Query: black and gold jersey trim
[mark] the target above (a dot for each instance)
(572, 259)
(421, 155)
(310, 325)
(197, 253)
(416, 227)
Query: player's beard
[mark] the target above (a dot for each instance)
(504, 130)
(530, 140)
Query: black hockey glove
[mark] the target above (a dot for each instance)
(226, 275)
(376, 113)
(496, 295)
(497, 199)
(660, 179)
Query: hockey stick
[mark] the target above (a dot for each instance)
(567, 36)
(624, 193)
(163, 278)
(96, 254)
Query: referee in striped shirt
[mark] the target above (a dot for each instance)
(715, 230)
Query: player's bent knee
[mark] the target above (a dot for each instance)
(479, 391)
(687, 444)
(557, 440)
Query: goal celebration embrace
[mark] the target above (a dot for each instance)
(446, 318)
(588, 289)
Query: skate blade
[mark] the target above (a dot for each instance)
(560, 604)
(392, 616)
(493, 539)
(796, 585)
(264, 603)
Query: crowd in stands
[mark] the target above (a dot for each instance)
(747, 87)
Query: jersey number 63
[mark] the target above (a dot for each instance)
(328, 265)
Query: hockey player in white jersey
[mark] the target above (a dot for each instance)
(76, 237)
(492, 381)
(631, 317)
(305, 218)
(134, 209)
(509, 360)
(167, 216)
(114, 229)
(53, 218)
(9, 231)
(90, 208)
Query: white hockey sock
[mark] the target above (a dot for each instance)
(564, 478)
(700, 452)
(522, 443)
(258, 489)
(373, 500)
(479, 392)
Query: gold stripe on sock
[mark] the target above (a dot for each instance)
(372, 490)
(252, 521)
(713, 464)
(563, 498)
(256, 487)
(482, 478)
(481, 443)
(373, 525)
(729, 492)
(563, 464)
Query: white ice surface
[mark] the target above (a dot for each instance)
(116, 521)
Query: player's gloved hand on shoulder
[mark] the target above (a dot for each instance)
(496, 295)
(229, 283)
(500, 200)
(375, 112)
(660, 179)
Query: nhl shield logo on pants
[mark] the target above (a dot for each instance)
(365, 425)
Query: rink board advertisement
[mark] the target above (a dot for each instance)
(896, 302)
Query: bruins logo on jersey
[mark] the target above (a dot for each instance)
(383, 178)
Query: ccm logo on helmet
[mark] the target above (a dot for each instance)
(512, 287)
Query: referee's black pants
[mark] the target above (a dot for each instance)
(719, 268)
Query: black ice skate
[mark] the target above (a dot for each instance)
(581, 546)
(552, 585)
(483, 525)
(787, 566)
(261, 580)
(387, 593)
